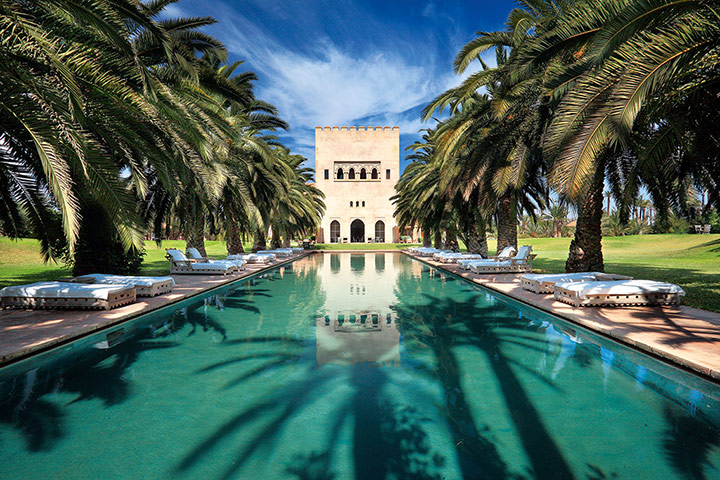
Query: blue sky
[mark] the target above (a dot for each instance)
(348, 63)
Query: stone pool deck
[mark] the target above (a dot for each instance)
(25, 332)
(683, 335)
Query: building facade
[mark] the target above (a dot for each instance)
(357, 169)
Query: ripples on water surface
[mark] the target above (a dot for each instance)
(364, 366)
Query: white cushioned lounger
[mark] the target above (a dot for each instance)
(251, 258)
(458, 257)
(506, 253)
(280, 252)
(180, 264)
(67, 295)
(195, 255)
(297, 249)
(144, 286)
(520, 263)
(545, 283)
(618, 293)
(430, 253)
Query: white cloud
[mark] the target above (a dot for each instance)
(429, 10)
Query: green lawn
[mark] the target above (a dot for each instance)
(692, 261)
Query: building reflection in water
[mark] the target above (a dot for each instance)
(356, 323)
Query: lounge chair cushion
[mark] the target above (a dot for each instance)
(194, 253)
(620, 287)
(507, 252)
(62, 290)
(219, 266)
(177, 255)
(104, 278)
(562, 277)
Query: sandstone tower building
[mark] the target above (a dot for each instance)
(357, 169)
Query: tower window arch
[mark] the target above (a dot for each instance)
(363, 203)
(334, 231)
(374, 174)
(380, 231)
(351, 174)
(363, 174)
(340, 174)
(351, 203)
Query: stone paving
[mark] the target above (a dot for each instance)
(24, 332)
(686, 336)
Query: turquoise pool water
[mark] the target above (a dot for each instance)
(365, 366)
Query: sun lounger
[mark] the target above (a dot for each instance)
(505, 254)
(252, 258)
(520, 263)
(456, 257)
(618, 293)
(180, 264)
(545, 283)
(67, 295)
(431, 251)
(144, 286)
(195, 255)
(279, 252)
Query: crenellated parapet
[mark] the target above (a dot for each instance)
(359, 129)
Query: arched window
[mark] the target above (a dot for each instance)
(363, 203)
(357, 235)
(351, 174)
(334, 231)
(374, 174)
(363, 174)
(340, 174)
(351, 203)
(379, 231)
(357, 204)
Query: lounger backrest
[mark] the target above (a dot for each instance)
(176, 255)
(523, 252)
(507, 252)
(194, 253)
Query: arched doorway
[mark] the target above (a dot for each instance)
(374, 174)
(363, 174)
(340, 174)
(357, 231)
(379, 231)
(351, 174)
(334, 231)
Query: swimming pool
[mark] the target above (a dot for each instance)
(364, 366)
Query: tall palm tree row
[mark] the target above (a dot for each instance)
(586, 96)
(116, 117)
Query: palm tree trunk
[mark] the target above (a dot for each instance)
(437, 243)
(586, 248)
(196, 232)
(234, 241)
(276, 241)
(477, 239)
(451, 242)
(427, 240)
(260, 240)
(507, 222)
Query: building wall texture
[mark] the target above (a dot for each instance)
(338, 150)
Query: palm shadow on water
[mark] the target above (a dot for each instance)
(687, 443)
(95, 373)
(457, 324)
